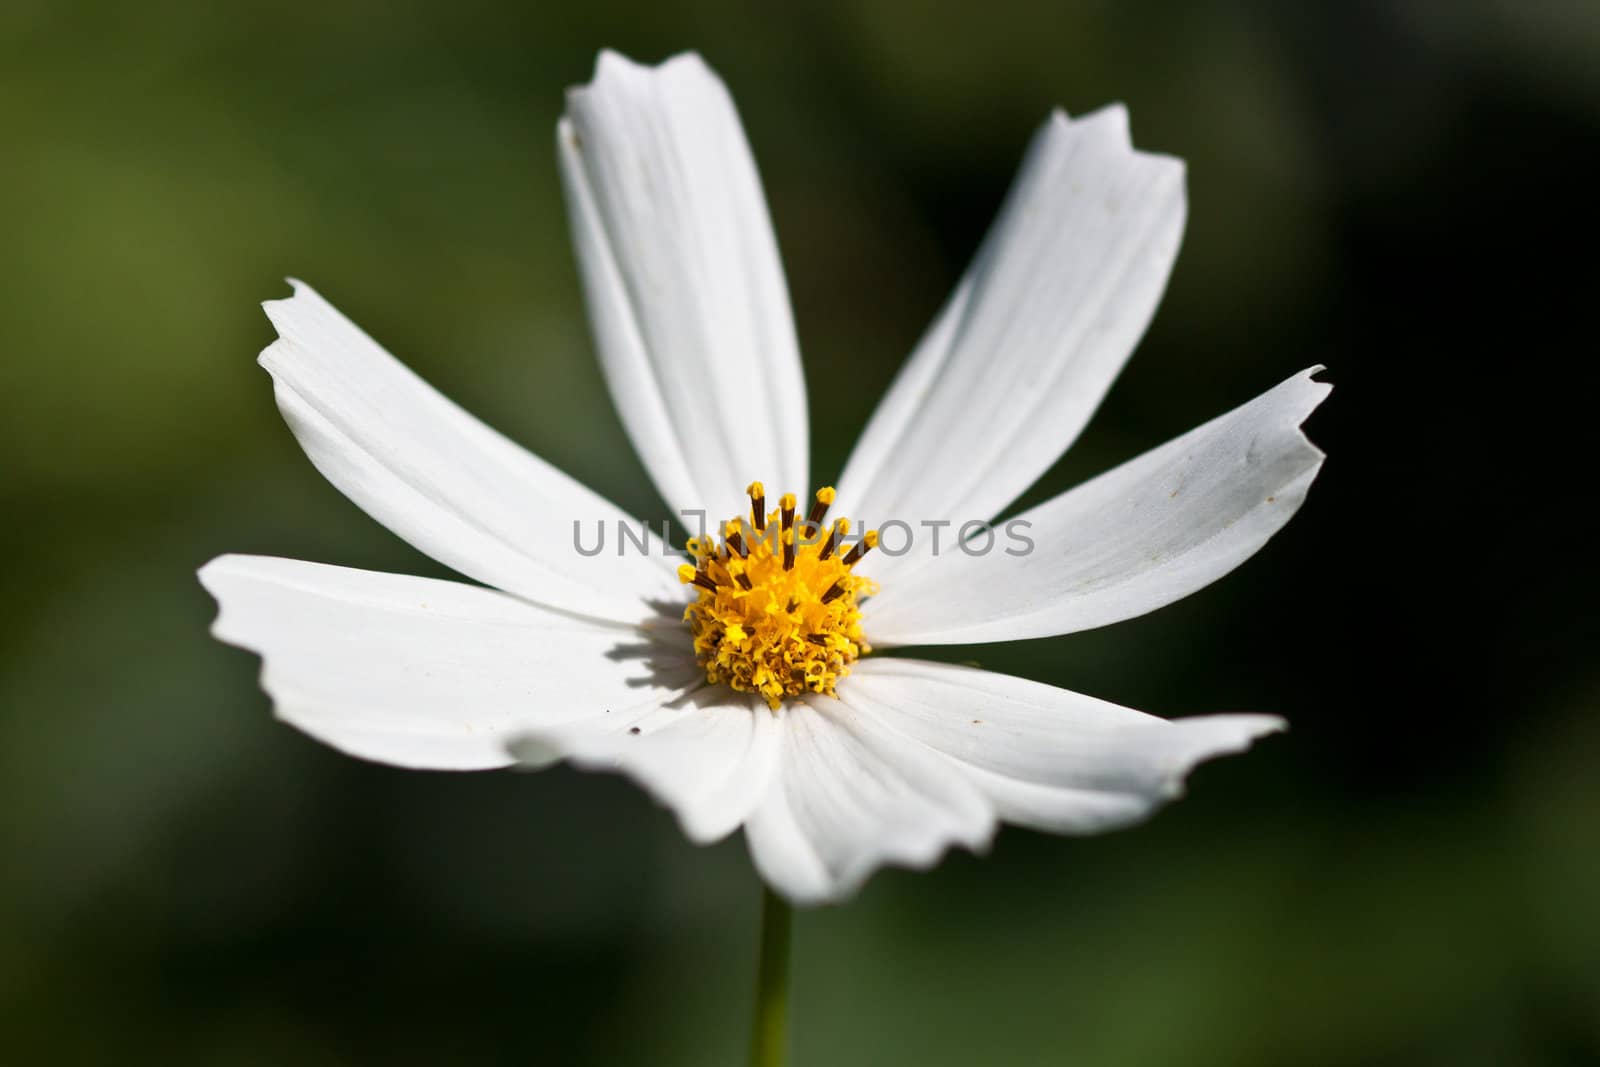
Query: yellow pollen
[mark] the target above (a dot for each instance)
(776, 608)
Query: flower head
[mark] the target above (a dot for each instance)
(738, 687)
(776, 611)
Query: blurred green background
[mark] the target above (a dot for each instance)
(1404, 191)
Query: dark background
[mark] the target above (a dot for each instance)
(1403, 191)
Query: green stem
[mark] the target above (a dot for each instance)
(769, 1044)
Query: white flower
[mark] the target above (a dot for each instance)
(587, 658)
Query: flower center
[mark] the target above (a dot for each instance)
(776, 612)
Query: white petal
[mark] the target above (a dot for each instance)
(685, 289)
(1046, 757)
(849, 797)
(708, 755)
(1049, 311)
(425, 673)
(1134, 539)
(442, 480)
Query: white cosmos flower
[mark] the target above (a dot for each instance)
(557, 655)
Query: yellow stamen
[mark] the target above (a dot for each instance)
(840, 528)
(689, 576)
(819, 508)
(733, 539)
(869, 541)
(777, 614)
(787, 506)
(758, 505)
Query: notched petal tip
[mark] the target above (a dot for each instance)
(1207, 737)
(1309, 375)
(1313, 393)
(1237, 731)
(1113, 118)
(1109, 129)
(610, 67)
(207, 572)
(704, 764)
(613, 69)
(918, 857)
(215, 577)
(211, 577)
(297, 289)
(302, 298)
